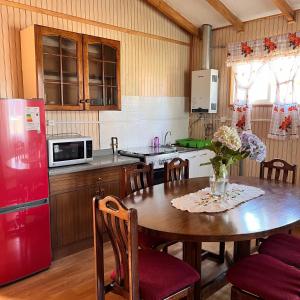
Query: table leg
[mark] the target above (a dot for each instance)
(241, 250)
(192, 255)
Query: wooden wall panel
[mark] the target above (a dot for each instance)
(150, 64)
(287, 150)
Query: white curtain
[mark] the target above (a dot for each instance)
(244, 77)
(285, 117)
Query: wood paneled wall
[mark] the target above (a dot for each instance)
(154, 51)
(287, 150)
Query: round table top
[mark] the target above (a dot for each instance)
(277, 210)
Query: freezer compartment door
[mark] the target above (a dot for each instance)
(24, 242)
(23, 152)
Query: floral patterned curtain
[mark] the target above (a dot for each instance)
(282, 55)
(243, 80)
(285, 117)
(263, 49)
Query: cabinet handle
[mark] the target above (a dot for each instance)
(84, 100)
(100, 191)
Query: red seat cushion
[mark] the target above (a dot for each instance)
(148, 241)
(161, 274)
(283, 247)
(266, 277)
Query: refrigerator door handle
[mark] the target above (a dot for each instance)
(23, 206)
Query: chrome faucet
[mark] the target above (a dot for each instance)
(165, 139)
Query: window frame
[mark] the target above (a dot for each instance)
(231, 91)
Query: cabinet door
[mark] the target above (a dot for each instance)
(101, 73)
(71, 197)
(60, 77)
(72, 220)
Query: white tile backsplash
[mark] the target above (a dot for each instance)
(143, 118)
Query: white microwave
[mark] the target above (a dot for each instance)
(69, 150)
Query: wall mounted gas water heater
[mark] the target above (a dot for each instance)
(204, 94)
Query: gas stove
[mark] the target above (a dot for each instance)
(155, 155)
(199, 159)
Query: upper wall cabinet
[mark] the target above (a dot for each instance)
(70, 71)
(101, 73)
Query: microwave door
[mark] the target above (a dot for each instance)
(67, 153)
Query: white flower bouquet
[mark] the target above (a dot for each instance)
(230, 148)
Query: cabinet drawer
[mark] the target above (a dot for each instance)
(73, 181)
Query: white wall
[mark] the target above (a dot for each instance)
(143, 118)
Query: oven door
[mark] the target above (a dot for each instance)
(158, 176)
(63, 153)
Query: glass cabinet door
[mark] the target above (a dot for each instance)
(62, 69)
(102, 84)
(95, 75)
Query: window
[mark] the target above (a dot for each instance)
(259, 81)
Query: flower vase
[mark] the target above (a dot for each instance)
(219, 181)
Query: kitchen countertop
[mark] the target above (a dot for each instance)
(104, 159)
(151, 151)
(101, 159)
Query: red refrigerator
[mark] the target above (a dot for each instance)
(24, 205)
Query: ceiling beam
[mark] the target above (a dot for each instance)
(286, 9)
(227, 14)
(174, 16)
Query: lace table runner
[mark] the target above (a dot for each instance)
(202, 201)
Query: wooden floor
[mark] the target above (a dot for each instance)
(73, 278)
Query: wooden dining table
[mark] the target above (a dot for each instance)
(278, 210)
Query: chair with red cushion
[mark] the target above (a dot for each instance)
(140, 274)
(136, 177)
(261, 276)
(284, 247)
(178, 169)
(133, 179)
(278, 169)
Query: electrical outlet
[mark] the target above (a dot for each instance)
(50, 123)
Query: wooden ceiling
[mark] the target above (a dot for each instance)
(191, 14)
(174, 16)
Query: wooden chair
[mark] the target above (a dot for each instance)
(138, 272)
(176, 169)
(281, 168)
(261, 276)
(135, 178)
(284, 247)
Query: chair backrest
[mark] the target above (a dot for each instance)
(121, 226)
(281, 168)
(176, 169)
(135, 178)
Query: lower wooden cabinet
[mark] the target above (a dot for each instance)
(71, 198)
